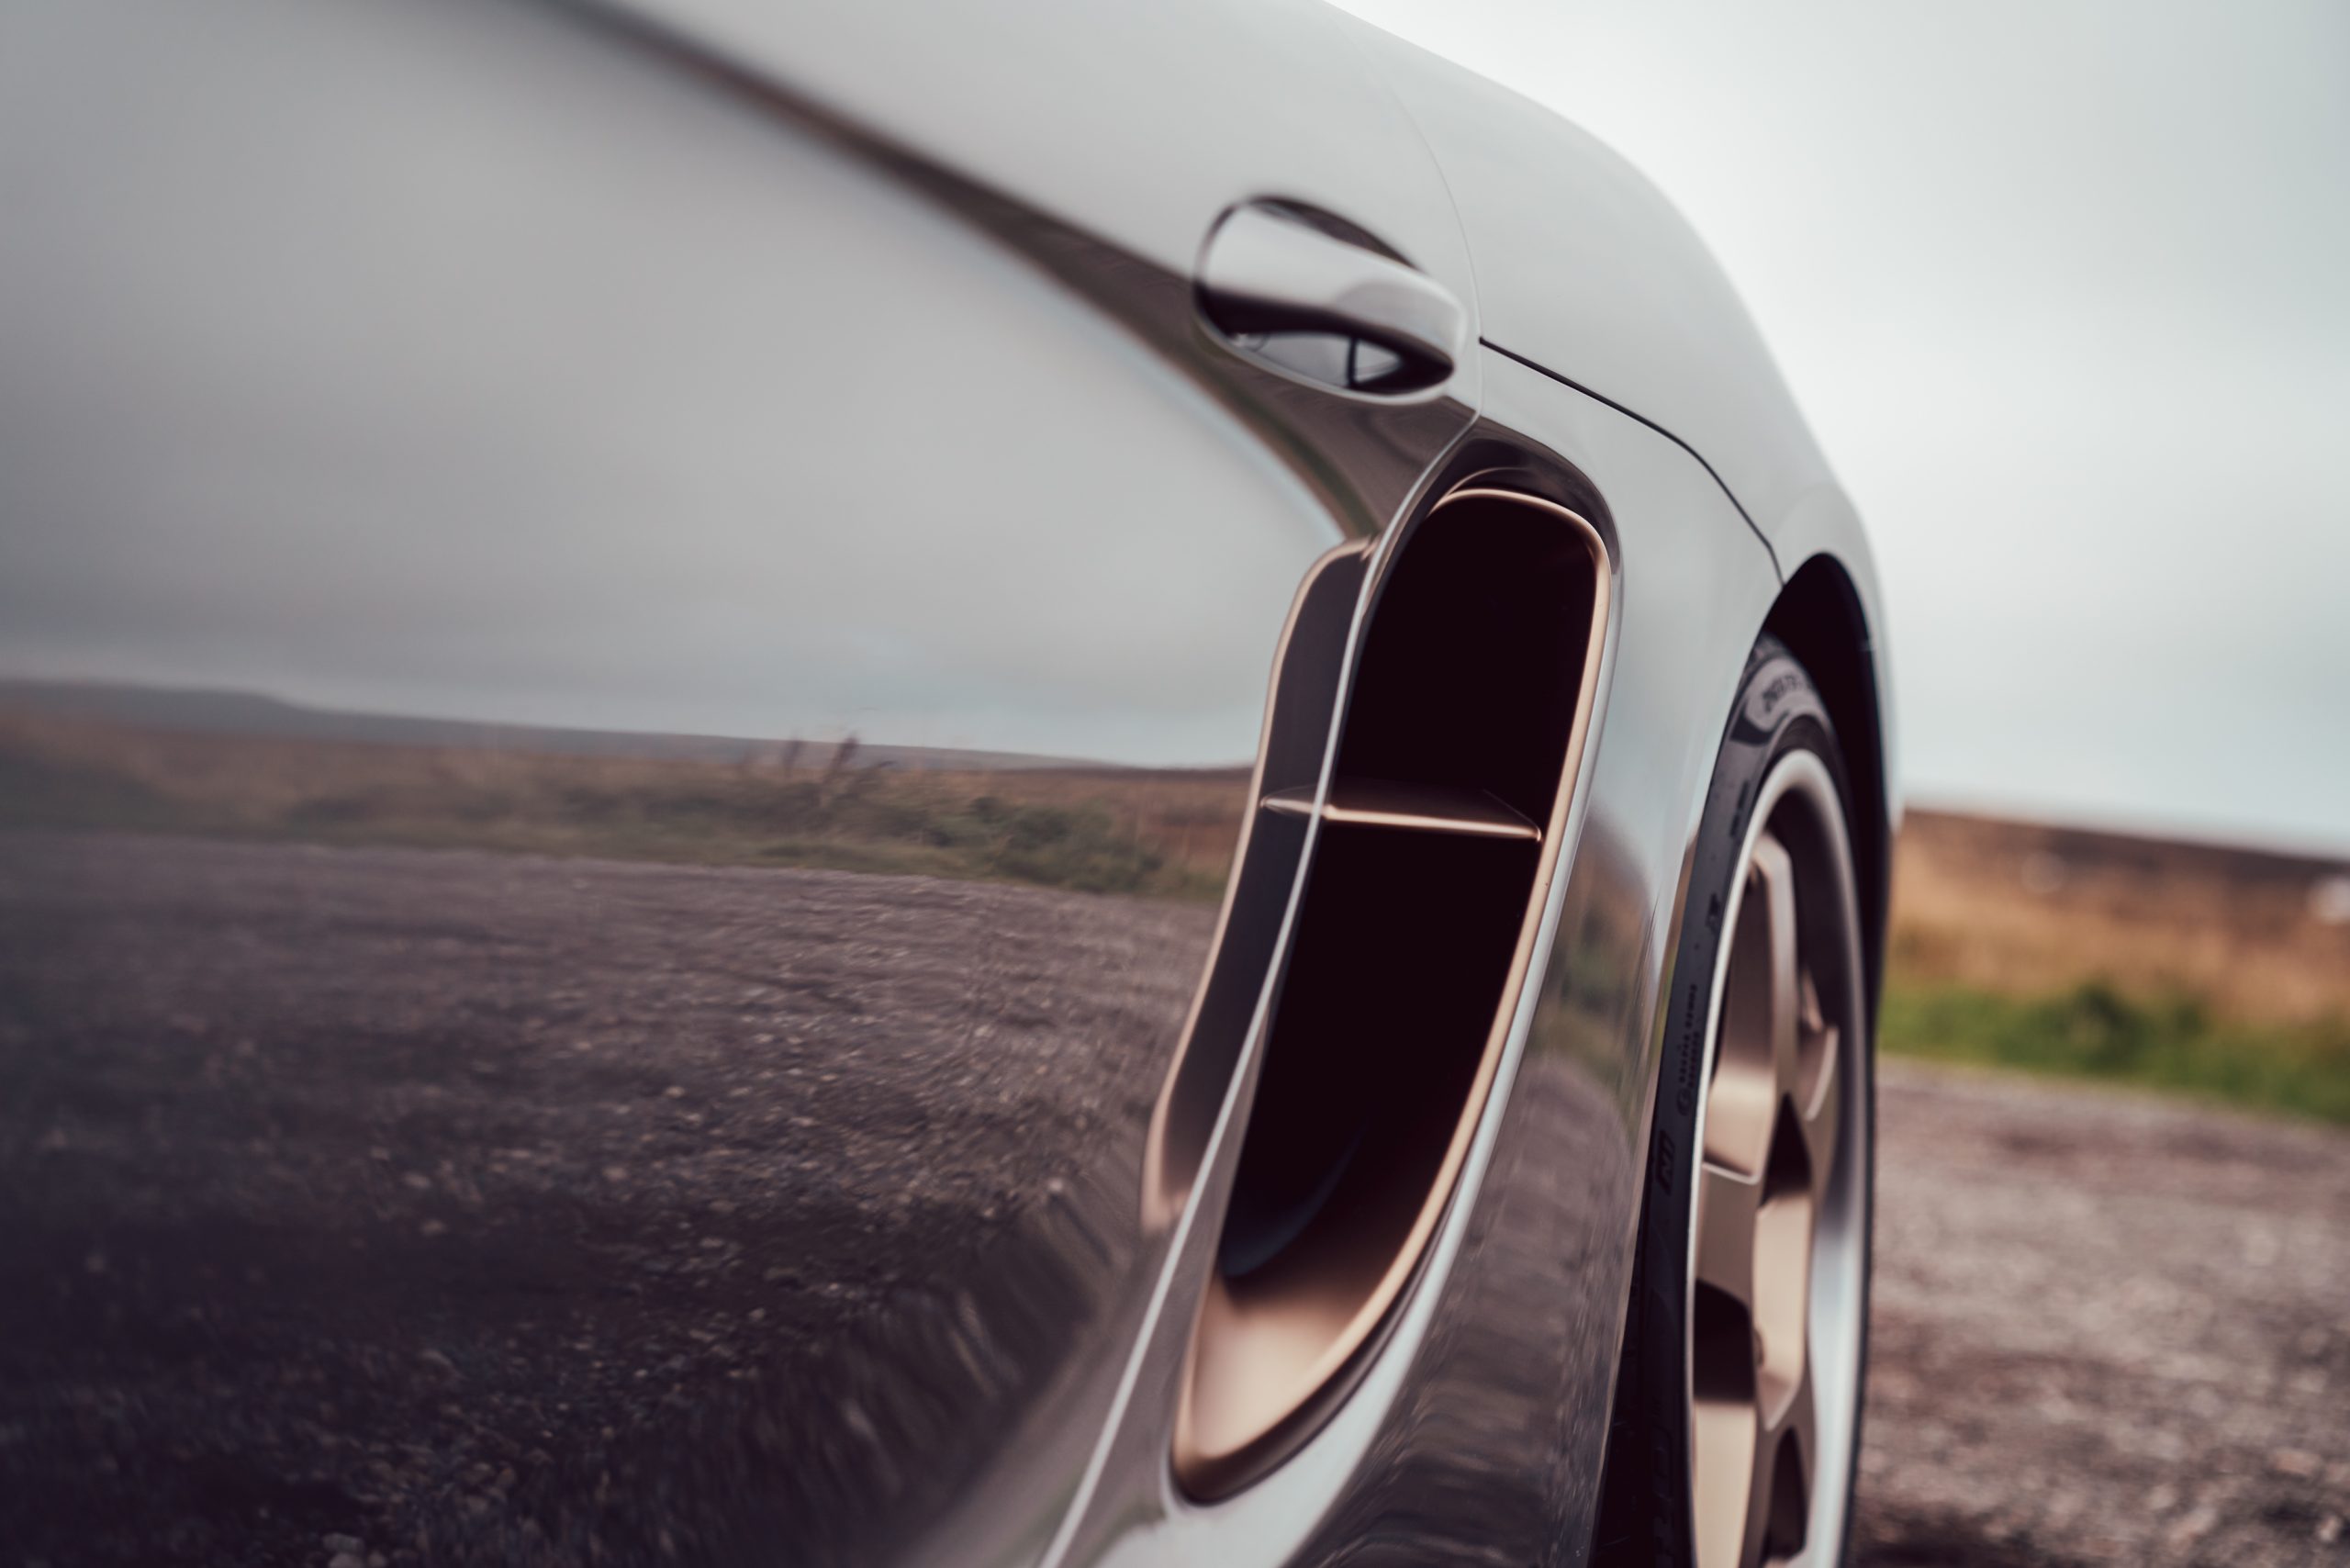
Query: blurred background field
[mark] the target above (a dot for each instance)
(2199, 969)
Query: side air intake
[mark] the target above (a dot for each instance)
(1440, 835)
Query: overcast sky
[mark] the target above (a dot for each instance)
(2065, 291)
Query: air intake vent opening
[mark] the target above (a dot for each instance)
(1341, 1188)
(1471, 678)
(1440, 835)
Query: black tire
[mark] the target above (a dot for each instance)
(1645, 1517)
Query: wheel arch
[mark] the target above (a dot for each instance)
(1822, 617)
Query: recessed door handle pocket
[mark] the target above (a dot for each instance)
(1327, 303)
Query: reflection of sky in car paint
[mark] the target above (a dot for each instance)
(2061, 290)
(536, 432)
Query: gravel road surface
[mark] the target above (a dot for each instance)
(2108, 1329)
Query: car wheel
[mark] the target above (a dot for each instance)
(1737, 1416)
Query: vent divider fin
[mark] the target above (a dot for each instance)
(1421, 808)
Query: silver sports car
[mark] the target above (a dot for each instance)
(814, 782)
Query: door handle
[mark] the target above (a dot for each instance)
(1285, 289)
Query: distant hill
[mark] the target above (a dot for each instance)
(199, 710)
(2026, 907)
(2067, 846)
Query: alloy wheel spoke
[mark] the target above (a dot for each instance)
(1819, 1135)
(1725, 1440)
(1726, 1205)
(1777, 1520)
(1772, 891)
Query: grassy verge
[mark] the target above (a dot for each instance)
(2095, 1031)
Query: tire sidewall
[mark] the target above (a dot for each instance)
(1778, 710)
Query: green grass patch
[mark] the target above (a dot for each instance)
(2097, 1031)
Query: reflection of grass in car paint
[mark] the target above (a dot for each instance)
(2095, 1030)
(1052, 846)
(1165, 833)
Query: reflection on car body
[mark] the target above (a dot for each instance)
(637, 649)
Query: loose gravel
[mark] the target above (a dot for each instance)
(2107, 1328)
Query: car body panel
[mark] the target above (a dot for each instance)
(1585, 269)
(1136, 128)
(1140, 127)
(580, 498)
(629, 647)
